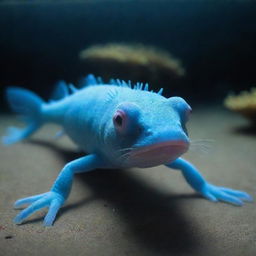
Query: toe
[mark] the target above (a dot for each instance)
(27, 200)
(228, 198)
(41, 203)
(240, 194)
(52, 212)
(210, 197)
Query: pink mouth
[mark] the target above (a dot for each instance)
(157, 154)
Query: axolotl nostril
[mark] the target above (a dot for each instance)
(119, 125)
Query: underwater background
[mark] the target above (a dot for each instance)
(214, 41)
(201, 50)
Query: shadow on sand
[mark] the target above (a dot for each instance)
(249, 129)
(153, 218)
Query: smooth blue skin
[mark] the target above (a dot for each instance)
(60, 190)
(209, 191)
(87, 118)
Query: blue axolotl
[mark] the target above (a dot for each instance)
(119, 125)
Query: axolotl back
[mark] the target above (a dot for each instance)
(128, 127)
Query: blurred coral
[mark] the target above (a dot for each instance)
(134, 62)
(244, 103)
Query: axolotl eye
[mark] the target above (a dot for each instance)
(119, 120)
(125, 118)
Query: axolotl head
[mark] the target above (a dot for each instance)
(150, 133)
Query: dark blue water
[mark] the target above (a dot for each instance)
(40, 42)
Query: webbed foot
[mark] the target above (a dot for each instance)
(51, 199)
(215, 193)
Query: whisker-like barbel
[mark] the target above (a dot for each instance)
(201, 145)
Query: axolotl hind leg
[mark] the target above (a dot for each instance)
(59, 192)
(209, 191)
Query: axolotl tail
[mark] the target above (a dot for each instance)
(28, 105)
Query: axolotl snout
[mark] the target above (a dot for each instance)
(119, 125)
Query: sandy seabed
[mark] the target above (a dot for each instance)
(133, 212)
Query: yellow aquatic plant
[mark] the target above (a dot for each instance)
(244, 103)
(136, 54)
(135, 62)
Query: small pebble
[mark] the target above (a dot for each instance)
(8, 237)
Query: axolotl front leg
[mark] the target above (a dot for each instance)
(209, 191)
(60, 190)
